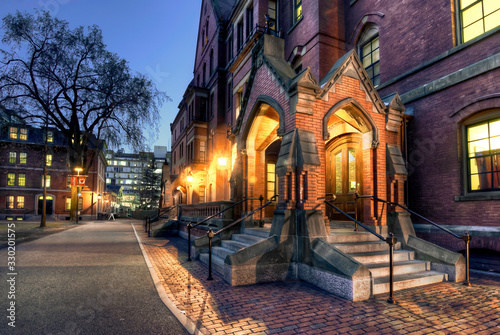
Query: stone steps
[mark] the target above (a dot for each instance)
(374, 254)
(365, 246)
(409, 280)
(249, 237)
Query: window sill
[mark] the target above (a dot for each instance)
(478, 196)
(295, 24)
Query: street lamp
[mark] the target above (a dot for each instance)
(78, 194)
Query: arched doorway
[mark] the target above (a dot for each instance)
(49, 209)
(349, 133)
(262, 146)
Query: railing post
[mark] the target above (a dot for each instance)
(210, 235)
(391, 240)
(189, 226)
(261, 223)
(466, 238)
(150, 232)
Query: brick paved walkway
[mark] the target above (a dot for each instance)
(299, 308)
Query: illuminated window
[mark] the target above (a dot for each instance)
(201, 194)
(22, 158)
(10, 202)
(11, 179)
(123, 163)
(50, 136)
(271, 180)
(370, 57)
(12, 157)
(272, 11)
(20, 202)
(297, 10)
(24, 134)
(68, 204)
(21, 179)
(13, 133)
(202, 151)
(47, 184)
(483, 155)
(478, 17)
(49, 160)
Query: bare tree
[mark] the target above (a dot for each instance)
(67, 76)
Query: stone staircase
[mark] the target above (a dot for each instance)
(237, 242)
(367, 249)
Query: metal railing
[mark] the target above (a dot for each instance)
(391, 240)
(149, 220)
(190, 226)
(466, 238)
(211, 234)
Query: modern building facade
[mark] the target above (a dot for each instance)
(22, 152)
(326, 100)
(126, 170)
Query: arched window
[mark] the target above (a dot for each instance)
(368, 51)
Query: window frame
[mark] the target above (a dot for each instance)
(21, 179)
(18, 202)
(10, 204)
(370, 41)
(11, 179)
(23, 158)
(295, 6)
(468, 158)
(482, 116)
(12, 157)
(460, 20)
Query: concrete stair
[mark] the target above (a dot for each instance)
(367, 249)
(249, 237)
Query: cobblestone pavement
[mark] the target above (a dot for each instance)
(295, 307)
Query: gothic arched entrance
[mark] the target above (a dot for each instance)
(350, 134)
(262, 146)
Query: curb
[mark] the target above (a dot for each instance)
(186, 322)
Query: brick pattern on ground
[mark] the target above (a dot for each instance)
(296, 307)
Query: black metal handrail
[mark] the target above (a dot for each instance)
(391, 240)
(149, 220)
(211, 234)
(190, 226)
(466, 237)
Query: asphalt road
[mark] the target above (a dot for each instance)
(88, 280)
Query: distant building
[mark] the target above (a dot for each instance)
(126, 170)
(21, 168)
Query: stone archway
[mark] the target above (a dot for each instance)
(349, 133)
(262, 143)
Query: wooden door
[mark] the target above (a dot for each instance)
(344, 176)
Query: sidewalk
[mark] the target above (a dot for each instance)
(294, 307)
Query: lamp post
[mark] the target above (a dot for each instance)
(78, 194)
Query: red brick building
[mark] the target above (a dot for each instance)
(342, 97)
(21, 170)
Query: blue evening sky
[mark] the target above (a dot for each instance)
(156, 37)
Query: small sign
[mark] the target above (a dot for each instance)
(78, 180)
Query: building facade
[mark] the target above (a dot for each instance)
(127, 170)
(22, 152)
(406, 110)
